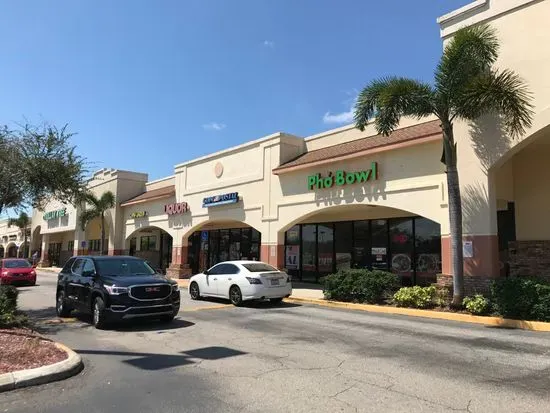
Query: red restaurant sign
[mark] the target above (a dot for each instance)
(177, 208)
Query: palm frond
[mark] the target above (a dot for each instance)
(87, 216)
(500, 92)
(107, 200)
(391, 98)
(470, 52)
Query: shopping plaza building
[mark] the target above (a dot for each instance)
(346, 198)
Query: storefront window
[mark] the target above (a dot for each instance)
(245, 243)
(379, 244)
(235, 244)
(361, 256)
(133, 246)
(343, 235)
(213, 247)
(255, 246)
(148, 243)
(309, 253)
(292, 250)
(224, 245)
(325, 241)
(402, 244)
(428, 251)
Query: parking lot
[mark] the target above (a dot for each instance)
(288, 358)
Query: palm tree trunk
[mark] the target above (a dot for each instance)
(102, 233)
(25, 248)
(455, 214)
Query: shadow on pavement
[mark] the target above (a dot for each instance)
(265, 304)
(151, 325)
(155, 361)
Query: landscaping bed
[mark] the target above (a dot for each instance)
(22, 348)
(516, 298)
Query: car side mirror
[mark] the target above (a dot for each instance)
(206, 272)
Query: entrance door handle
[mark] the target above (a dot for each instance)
(215, 279)
(229, 279)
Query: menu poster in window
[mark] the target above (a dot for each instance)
(401, 263)
(293, 236)
(293, 257)
(379, 260)
(325, 262)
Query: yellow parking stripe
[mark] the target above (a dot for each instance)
(61, 320)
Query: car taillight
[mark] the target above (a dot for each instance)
(253, 280)
(33, 273)
(6, 273)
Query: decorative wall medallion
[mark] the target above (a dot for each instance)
(218, 170)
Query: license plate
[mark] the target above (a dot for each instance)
(275, 282)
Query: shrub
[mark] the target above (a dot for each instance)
(8, 306)
(522, 298)
(360, 285)
(477, 304)
(415, 297)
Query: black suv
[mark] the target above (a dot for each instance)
(115, 288)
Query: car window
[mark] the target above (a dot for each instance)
(68, 265)
(17, 264)
(259, 267)
(123, 267)
(231, 269)
(88, 269)
(78, 266)
(216, 269)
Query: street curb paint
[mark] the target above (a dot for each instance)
(465, 318)
(41, 375)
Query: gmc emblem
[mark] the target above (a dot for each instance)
(152, 289)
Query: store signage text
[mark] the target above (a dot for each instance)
(231, 198)
(341, 178)
(138, 214)
(176, 208)
(55, 214)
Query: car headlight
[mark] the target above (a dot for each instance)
(114, 290)
(175, 287)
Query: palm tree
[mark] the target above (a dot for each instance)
(466, 86)
(22, 222)
(97, 210)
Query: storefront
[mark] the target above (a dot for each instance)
(409, 247)
(209, 247)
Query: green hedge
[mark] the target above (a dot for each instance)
(522, 298)
(360, 286)
(415, 297)
(8, 306)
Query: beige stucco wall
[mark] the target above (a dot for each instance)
(523, 31)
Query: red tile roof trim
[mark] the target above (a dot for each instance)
(152, 195)
(400, 138)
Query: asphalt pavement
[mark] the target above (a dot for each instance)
(288, 358)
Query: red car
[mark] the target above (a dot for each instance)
(17, 270)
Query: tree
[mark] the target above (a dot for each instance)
(38, 163)
(466, 86)
(98, 207)
(22, 222)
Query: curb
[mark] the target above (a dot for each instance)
(465, 318)
(41, 375)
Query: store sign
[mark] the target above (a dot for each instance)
(231, 198)
(138, 214)
(176, 208)
(341, 178)
(55, 214)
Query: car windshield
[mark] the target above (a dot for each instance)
(17, 264)
(122, 267)
(259, 267)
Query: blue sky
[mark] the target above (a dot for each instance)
(149, 84)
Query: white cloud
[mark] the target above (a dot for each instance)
(344, 117)
(269, 43)
(214, 126)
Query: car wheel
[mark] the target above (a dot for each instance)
(61, 307)
(194, 291)
(98, 313)
(235, 296)
(276, 300)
